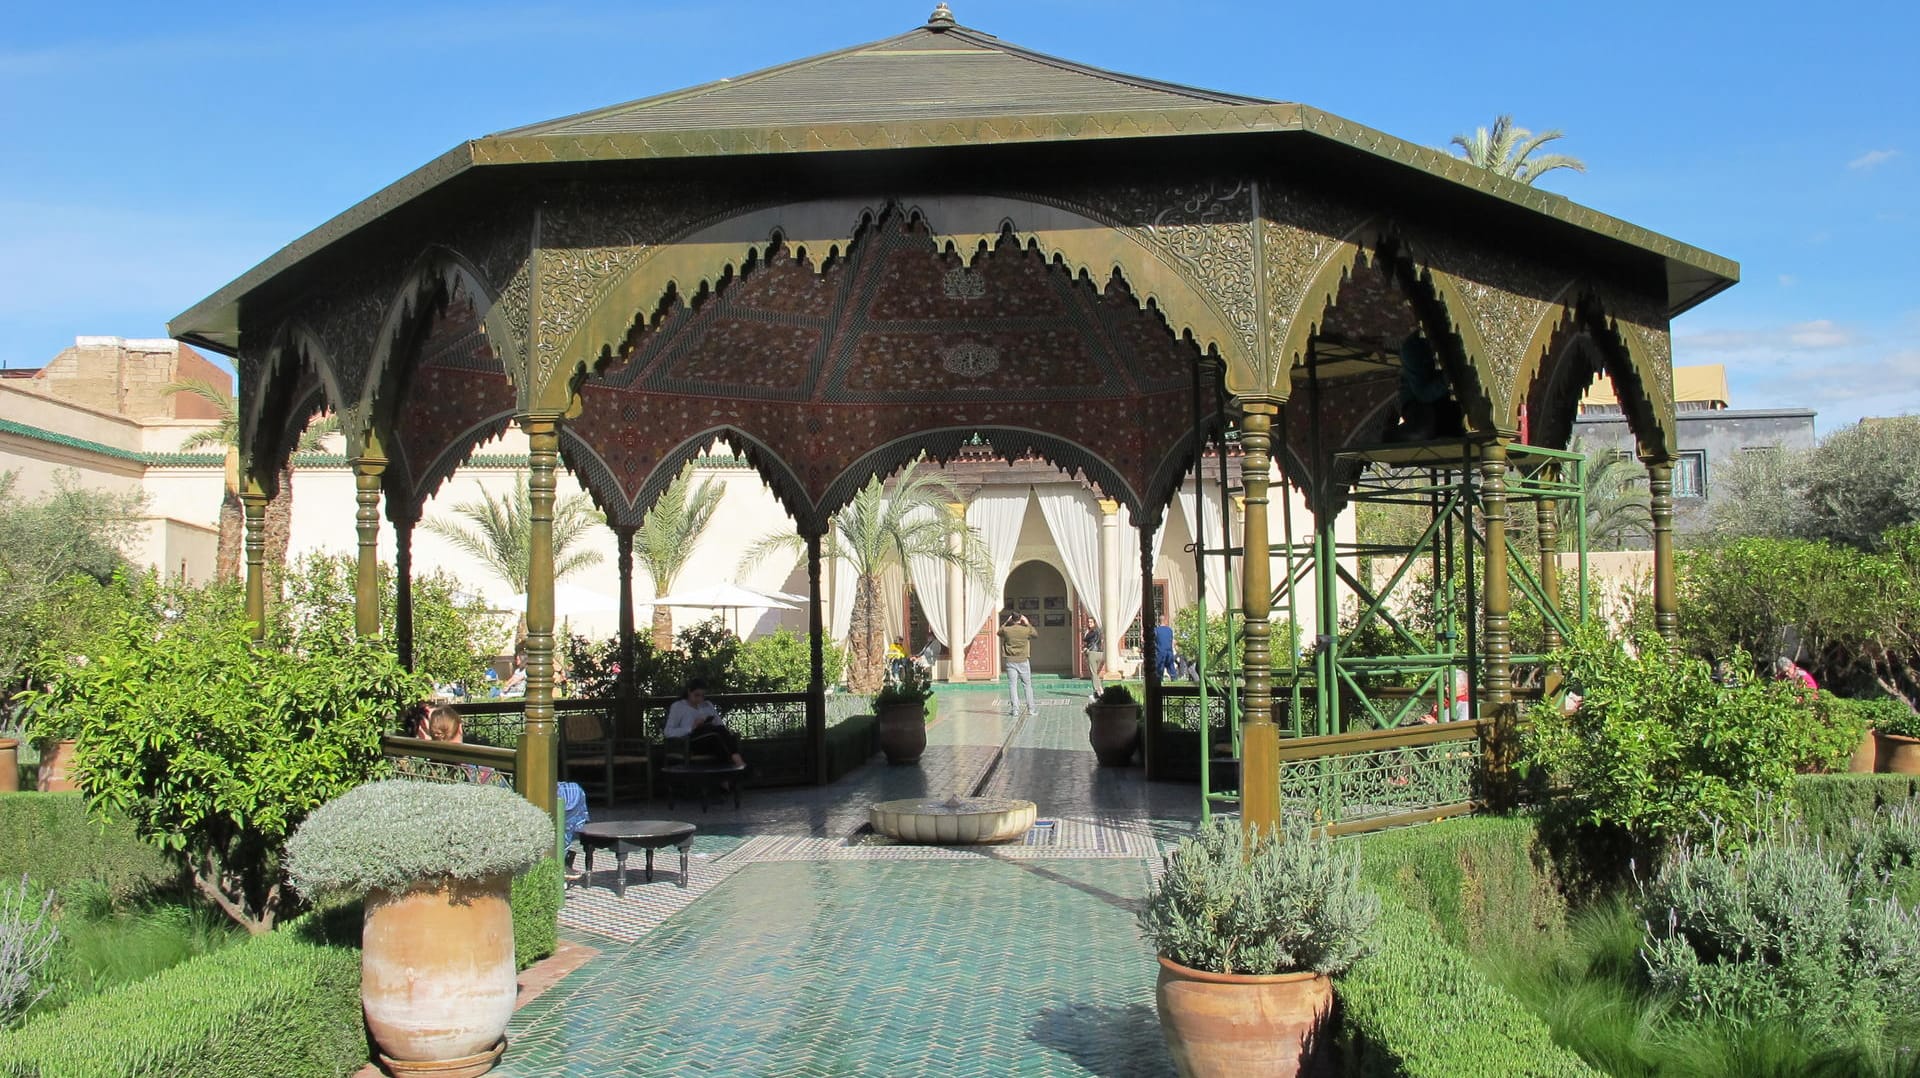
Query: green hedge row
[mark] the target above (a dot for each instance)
(537, 895)
(1478, 878)
(1830, 803)
(851, 742)
(1417, 1008)
(50, 838)
(285, 1004)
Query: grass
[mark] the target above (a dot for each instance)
(105, 943)
(1588, 984)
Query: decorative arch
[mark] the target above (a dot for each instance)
(432, 474)
(297, 381)
(944, 444)
(599, 477)
(704, 259)
(436, 275)
(1577, 340)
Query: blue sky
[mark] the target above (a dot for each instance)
(153, 152)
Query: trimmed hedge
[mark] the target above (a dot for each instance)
(49, 838)
(851, 742)
(1417, 1008)
(1830, 803)
(537, 895)
(1478, 878)
(286, 1004)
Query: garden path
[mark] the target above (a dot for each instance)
(802, 947)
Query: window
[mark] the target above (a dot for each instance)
(1690, 475)
(1160, 609)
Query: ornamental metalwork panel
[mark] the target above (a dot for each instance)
(1371, 784)
(421, 769)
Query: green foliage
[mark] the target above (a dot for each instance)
(1508, 150)
(49, 838)
(1829, 805)
(1858, 485)
(27, 938)
(1283, 903)
(1189, 636)
(453, 637)
(912, 687)
(107, 941)
(1891, 717)
(1417, 1008)
(777, 662)
(671, 529)
(1857, 614)
(1116, 696)
(499, 534)
(1780, 927)
(1657, 747)
(54, 549)
(215, 746)
(781, 661)
(390, 835)
(851, 742)
(537, 895)
(285, 1004)
(1481, 879)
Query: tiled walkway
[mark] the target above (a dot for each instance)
(806, 948)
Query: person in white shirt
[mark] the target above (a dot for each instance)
(695, 718)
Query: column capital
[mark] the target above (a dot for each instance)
(1109, 507)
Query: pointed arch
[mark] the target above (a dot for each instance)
(944, 444)
(297, 381)
(601, 481)
(1577, 340)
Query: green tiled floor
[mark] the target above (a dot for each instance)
(889, 968)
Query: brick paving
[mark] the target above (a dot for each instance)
(805, 946)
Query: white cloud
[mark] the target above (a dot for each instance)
(1872, 159)
(1819, 335)
(1788, 280)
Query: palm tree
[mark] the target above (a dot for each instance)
(501, 536)
(666, 536)
(1618, 505)
(881, 529)
(224, 436)
(1507, 150)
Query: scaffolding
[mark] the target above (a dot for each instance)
(1395, 623)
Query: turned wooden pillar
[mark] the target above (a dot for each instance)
(1666, 599)
(367, 472)
(817, 656)
(403, 590)
(253, 503)
(1259, 737)
(539, 743)
(1547, 515)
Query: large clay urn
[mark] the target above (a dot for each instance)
(903, 732)
(1113, 730)
(437, 977)
(1899, 755)
(1866, 757)
(1229, 1025)
(9, 765)
(56, 766)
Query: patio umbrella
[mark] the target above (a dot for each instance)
(722, 595)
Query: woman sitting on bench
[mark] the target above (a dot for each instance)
(695, 718)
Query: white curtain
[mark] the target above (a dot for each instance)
(893, 602)
(844, 582)
(1208, 533)
(1074, 520)
(997, 516)
(930, 586)
(1129, 592)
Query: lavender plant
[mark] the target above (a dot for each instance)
(393, 835)
(1281, 904)
(27, 937)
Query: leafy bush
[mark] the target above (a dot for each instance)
(57, 551)
(1829, 806)
(1892, 717)
(215, 746)
(453, 637)
(1116, 696)
(1778, 927)
(1416, 1008)
(285, 1004)
(1656, 747)
(913, 687)
(782, 661)
(387, 836)
(537, 895)
(106, 941)
(27, 936)
(1483, 880)
(1283, 903)
(48, 837)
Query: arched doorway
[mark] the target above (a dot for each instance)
(1037, 590)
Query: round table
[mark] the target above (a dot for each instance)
(623, 835)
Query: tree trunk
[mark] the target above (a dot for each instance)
(226, 563)
(279, 529)
(662, 628)
(867, 642)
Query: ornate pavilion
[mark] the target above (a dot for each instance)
(924, 242)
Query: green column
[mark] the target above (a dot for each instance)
(817, 659)
(623, 544)
(1259, 738)
(368, 470)
(1547, 514)
(1666, 604)
(253, 503)
(1150, 664)
(1496, 643)
(538, 766)
(403, 590)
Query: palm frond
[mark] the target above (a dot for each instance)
(225, 431)
(1507, 149)
(666, 538)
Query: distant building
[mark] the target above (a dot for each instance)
(1710, 434)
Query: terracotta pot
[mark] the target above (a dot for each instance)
(1228, 1025)
(1899, 755)
(436, 975)
(56, 767)
(9, 765)
(1113, 730)
(903, 732)
(1867, 757)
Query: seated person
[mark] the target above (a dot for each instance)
(443, 724)
(1426, 409)
(695, 718)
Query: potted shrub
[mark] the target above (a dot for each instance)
(434, 864)
(901, 710)
(9, 763)
(1250, 935)
(1113, 726)
(1897, 728)
(53, 723)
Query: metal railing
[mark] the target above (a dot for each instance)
(1385, 778)
(439, 761)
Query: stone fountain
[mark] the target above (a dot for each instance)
(955, 821)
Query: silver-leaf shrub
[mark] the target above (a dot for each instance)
(1282, 904)
(27, 936)
(392, 835)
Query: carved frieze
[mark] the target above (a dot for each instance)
(1505, 297)
(1299, 231)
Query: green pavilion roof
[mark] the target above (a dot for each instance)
(946, 87)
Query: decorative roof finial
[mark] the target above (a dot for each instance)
(941, 18)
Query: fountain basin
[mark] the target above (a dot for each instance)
(956, 821)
